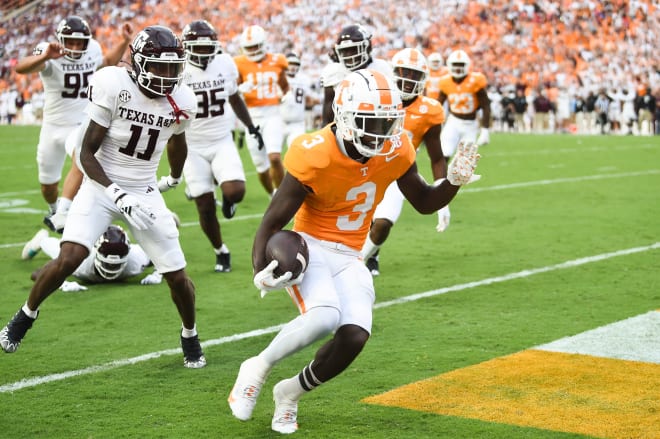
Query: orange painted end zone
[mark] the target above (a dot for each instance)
(554, 391)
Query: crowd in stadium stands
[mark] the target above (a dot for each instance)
(564, 52)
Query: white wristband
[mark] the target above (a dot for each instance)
(114, 192)
(172, 181)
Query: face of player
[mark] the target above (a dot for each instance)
(75, 47)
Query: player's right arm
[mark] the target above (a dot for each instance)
(37, 61)
(284, 205)
(90, 145)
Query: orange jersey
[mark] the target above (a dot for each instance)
(264, 74)
(421, 115)
(462, 97)
(345, 193)
(432, 88)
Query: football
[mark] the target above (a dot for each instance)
(291, 252)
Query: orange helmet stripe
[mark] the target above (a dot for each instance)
(383, 87)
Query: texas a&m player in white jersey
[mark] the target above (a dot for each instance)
(65, 68)
(113, 259)
(351, 52)
(212, 155)
(133, 117)
(297, 100)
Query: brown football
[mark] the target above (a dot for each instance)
(291, 252)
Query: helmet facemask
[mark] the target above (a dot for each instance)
(352, 54)
(201, 52)
(161, 75)
(410, 82)
(111, 253)
(368, 132)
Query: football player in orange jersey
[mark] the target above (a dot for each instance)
(436, 71)
(262, 80)
(335, 179)
(423, 122)
(465, 93)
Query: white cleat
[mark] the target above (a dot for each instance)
(285, 418)
(33, 246)
(244, 394)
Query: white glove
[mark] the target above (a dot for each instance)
(484, 137)
(138, 215)
(443, 219)
(265, 280)
(246, 87)
(152, 279)
(167, 183)
(461, 169)
(72, 287)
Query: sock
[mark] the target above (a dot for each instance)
(52, 208)
(63, 205)
(295, 387)
(31, 314)
(223, 249)
(187, 333)
(369, 249)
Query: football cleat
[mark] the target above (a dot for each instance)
(228, 208)
(193, 357)
(55, 222)
(223, 263)
(12, 334)
(244, 394)
(372, 265)
(33, 246)
(285, 418)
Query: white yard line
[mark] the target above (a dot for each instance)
(35, 381)
(466, 190)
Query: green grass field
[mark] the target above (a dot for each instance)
(106, 363)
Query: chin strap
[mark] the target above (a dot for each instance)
(175, 107)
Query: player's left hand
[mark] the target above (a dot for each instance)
(167, 183)
(72, 287)
(154, 278)
(256, 133)
(127, 31)
(461, 169)
(484, 137)
(265, 280)
(443, 219)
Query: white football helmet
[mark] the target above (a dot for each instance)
(458, 63)
(368, 112)
(435, 61)
(111, 252)
(253, 43)
(410, 72)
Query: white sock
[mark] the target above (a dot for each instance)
(369, 248)
(63, 205)
(292, 389)
(29, 312)
(223, 249)
(187, 333)
(52, 208)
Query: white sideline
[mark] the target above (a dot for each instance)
(33, 382)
